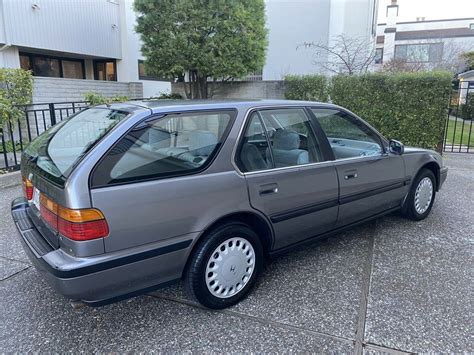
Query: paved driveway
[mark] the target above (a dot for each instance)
(387, 286)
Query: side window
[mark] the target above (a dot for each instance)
(292, 141)
(254, 147)
(347, 136)
(169, 145)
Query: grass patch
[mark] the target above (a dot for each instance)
(460, 132)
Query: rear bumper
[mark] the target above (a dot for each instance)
(443, 174)
(107, 277)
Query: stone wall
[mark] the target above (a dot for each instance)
(47, 90)
(274, 89)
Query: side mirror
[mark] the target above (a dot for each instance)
(396, 147)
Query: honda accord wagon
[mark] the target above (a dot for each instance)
(125, 198)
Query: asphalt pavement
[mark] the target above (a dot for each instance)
(388, 286)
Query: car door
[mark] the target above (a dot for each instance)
(371, 180)
(288, 175)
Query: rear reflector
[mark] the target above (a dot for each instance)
(27, 188)
(79, 225)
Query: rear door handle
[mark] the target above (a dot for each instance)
(268, 189)
(350, 174)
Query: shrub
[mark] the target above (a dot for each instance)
(9, 147)
(466, 110)
(307, 87)
(410, 107)
(93, 98)
(16, 88)
(170, 96)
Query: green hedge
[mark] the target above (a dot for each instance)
(307, 87)
(466, 110)
(410, 107)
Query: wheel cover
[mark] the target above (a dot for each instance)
(423, 195)
(230, 267)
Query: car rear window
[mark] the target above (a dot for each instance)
(57, 150)
(169, 145)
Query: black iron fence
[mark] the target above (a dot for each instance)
(35, 118)
(459, 130)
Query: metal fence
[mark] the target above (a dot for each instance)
(459, 131)
(34, 119)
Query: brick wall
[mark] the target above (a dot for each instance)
(271, 89)
(59, 89)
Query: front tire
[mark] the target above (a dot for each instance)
(224, 266)
(421, 197)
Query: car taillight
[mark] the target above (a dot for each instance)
(27, 188)
(75, 224)
(49, 211)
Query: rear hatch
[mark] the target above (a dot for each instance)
(50, 159)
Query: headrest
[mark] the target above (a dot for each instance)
(286, 140)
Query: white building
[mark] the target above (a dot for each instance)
(431, 43)
(291, 23)
(75, 46)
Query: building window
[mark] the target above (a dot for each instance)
(471, 26)
(72, 69)
(419, 53)
(25, 62)
(142, 74)
(105, 70)
(56, 67)
(378, 56)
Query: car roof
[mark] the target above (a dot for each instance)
(162, 105)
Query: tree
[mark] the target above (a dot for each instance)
(198, 40)
(397, 65)
(16, 87)
(346, 55)
(452, 58)
(437, 54)
(469, 58)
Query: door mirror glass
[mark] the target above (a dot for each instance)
(396, 147)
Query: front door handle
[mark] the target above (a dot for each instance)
(268, 189)
(350, 174)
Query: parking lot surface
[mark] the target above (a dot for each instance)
(387, 286)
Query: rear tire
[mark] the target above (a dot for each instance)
(421, 196)
(224, 266)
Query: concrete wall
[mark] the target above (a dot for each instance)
(47, 90)
(271, 89)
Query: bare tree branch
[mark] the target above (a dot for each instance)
(346, 55)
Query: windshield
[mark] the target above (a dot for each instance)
(57, 150)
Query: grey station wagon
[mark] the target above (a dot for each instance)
(130, 197)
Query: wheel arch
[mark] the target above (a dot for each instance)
(435, 169)
(258, 223)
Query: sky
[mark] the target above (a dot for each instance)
(409, 10)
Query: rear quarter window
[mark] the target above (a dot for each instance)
(170, 145)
